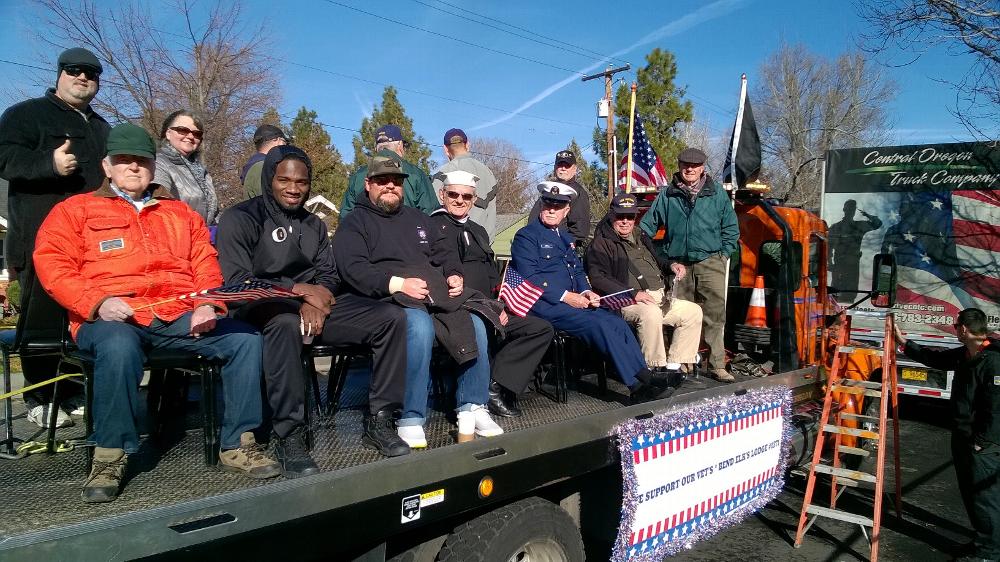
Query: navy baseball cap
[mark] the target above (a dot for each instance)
(455, 136)
(388, 133)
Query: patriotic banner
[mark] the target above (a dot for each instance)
(692, 473)
(937, 209)
(519, 294)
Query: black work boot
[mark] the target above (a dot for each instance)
(380, 434)
(502, 402)
(106, 475)
(641, 392)
(670, 377)
(293, 456)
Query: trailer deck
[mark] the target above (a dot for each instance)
(172, 500)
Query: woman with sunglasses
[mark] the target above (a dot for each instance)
(179, 168)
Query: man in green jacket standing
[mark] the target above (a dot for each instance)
(417, 189)
(701, 232)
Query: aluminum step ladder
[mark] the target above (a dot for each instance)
(843, 478)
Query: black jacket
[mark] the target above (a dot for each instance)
(371, 246)
(472, 244)
(975, 390)
(29, 132)
(258, 239)
(578, 219)
(607, 260)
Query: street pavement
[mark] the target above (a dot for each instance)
(933, 524)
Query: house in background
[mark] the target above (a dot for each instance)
(507, 227)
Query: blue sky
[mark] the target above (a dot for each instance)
(714, 42)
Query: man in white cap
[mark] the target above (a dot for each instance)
(484, 209)
(525, 340)
(544, 254)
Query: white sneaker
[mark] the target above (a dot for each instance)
(485, 426)
(75, 405)
(413, 435)
(39, 415)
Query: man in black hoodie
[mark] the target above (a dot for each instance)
(273, 238)
(525, 339)
(975, 436)
(389, 251)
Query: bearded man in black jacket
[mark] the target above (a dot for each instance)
(525, 339)
(273, 238)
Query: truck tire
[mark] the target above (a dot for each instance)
(528, 530)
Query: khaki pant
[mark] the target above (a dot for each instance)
(704, 284)
(649, 320)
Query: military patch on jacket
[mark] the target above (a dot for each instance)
(279, 234)
(996, 380)
(116, 244)
(422, 235)
(545, 246)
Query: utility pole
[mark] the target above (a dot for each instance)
(608, 80)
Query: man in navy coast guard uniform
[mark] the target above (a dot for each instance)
(544, 254)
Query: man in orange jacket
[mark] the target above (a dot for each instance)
(110, 258)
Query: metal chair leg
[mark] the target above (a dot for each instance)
(10, 442)
(210, 432)
(335, 386)
(50, 441)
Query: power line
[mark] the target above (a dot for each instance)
(534, 37)
(452, 38)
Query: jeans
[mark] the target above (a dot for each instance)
(473, 377)
(119, 350)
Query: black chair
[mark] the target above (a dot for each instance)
(184, 362)
(565, 370)
(341, 357)
(27, 341)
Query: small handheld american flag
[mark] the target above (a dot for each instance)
(519, 294)
(619, 300)
(246, 291)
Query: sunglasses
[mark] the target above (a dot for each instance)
(554, 204)
(184, 131)
(624, 217)
(89, 73)
(462, 196)
(386, 181)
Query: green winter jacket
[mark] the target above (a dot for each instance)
(694, 231)
(418, 192)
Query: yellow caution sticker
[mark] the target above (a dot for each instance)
(916, 375)
(431, 498)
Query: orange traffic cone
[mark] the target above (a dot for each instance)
(757, 314)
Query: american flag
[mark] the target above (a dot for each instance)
(519, 294)
(246, 291)
(619, 300)
(646, 166)
(946, 243)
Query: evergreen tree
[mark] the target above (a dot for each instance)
(663, 111)
(272, 117)
(329, 171)
(390, 112)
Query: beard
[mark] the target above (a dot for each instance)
(388, 206)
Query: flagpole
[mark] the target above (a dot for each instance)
(736, 135)
(631, 128)
(732, 168)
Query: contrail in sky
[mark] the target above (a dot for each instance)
(703, 14)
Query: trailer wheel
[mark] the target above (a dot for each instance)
(530, 530)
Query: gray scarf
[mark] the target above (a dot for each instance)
(198, 172)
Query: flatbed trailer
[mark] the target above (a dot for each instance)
(361, 506)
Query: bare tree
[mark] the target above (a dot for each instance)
(806, 104)
(697, 134)
(516, 179)
(967, 27)
(212, 67)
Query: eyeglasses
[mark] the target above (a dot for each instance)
(624, 217)
(184, 131)
(457, 195)
(88, 72)
(554, 204)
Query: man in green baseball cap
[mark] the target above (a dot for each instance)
(93, 255)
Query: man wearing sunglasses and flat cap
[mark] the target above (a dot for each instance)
(50, 149)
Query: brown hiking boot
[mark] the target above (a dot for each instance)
(722, 375)
(106, 475)
(249, 459)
